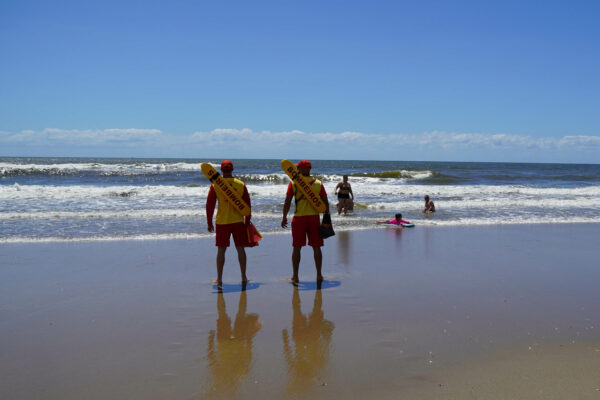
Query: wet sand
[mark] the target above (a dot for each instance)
(428, 312)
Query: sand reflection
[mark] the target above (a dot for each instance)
(307, 356)
(230, 357)
(344, 244)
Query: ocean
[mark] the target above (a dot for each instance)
(93, 199)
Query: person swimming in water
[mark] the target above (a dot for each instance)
(429, 206)
(397, 220)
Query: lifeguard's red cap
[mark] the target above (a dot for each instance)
(226, 165)
(304, 164)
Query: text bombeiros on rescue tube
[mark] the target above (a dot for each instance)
(296, 177)
(234, 199)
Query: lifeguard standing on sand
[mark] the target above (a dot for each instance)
(229, 222)
(306, 221)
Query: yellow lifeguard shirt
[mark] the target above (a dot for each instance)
(303, 206)
(226, 213)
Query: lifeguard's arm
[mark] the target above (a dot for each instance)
(246, 198)
(323, 196)
(286, 209)
(211, 201)
(287, 204)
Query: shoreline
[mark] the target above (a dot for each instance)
(402, 312)
(206, 235)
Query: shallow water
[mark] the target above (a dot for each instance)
(116, 199)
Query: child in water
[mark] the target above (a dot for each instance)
(397, 221)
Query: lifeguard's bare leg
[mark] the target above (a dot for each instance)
(242, 260)
(220, 263)
(318, 261)
(295, 263)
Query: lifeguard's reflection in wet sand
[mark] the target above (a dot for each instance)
(229, 359)
(308, 354)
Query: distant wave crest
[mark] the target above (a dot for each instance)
(264, 178)
(11, 169)
(400, 174)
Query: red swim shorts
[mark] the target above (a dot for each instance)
(238, 230)
(306, 225)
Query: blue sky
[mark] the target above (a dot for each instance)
(401, 80)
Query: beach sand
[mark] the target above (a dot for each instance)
(496, 312)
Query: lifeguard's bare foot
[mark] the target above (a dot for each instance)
(245, 279)
(294, 279)
(320, 278)
(217, 282)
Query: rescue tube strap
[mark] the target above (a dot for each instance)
(302, 197)
(214, 177)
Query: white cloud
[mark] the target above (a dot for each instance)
(269, 144)
(580, 142)
(76, 137)
(103, 136)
